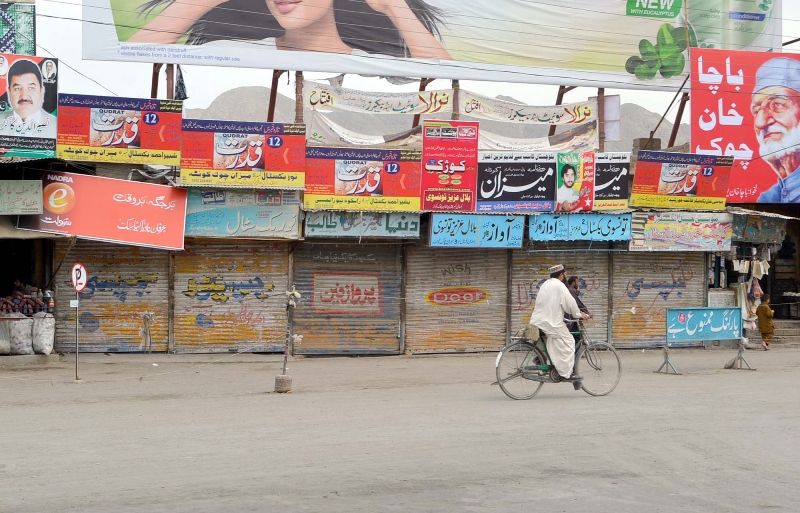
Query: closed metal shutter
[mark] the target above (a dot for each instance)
(125, 282)
(456, 299)
(529, 272)
(653, 282)
(231, 296)
(352, 298)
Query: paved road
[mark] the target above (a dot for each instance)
(405, 434)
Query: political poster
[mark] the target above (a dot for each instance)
(743, 106)
(611, 174)
(29, 101)
(242, 213)
(681, 231)
(119, 130)
(575, 182)
(243, 154)
(681, 181)
(362, 179)
(111, 210)
(476, 230)
(516, 182)
(449, 165)
(577, 43)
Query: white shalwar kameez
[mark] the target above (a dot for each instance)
(552, 302)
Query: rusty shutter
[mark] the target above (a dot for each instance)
(529, 272)
(231, 296)
(125, 282)
(653, 282)
(351, 300)
(456, 299)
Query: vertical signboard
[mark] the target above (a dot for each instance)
(449, 165)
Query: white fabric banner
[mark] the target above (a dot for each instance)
(328, 98)
(483, 107)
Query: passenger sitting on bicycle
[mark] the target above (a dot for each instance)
(574, 287)
(552, 302)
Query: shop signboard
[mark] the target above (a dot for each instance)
(242, 213)
(111, 210)
(362, 179)
(449, 165)
(119, 130)
(476, 230)
(243, 154)
(362, 224)
(710, 323)
(575, 182)
(611, 174)
(588, 227)
(681, 231)
(516, 181)
(29, 115)
(681, 181)
(20, 197)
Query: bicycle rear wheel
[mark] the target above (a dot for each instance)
(515, 366)
(600, 368)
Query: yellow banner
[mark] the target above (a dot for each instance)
(361, 203)
(681, 202)
(252, 178)
(118, 155)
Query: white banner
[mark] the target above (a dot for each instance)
(327, 98)
(483, 107)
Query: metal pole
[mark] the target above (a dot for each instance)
(298, 96)
(170, 81)
(456, 106)
(273, 95)
(154, 82)
(601, 118)
(77, 377)
(678, 119)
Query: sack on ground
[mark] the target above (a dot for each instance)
(21, 334)
(5, 338)
(44, 329)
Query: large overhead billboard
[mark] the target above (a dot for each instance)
(601, 43)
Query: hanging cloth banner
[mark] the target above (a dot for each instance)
(483, 107)
(329, 98)
(583, 138)
(324, 132)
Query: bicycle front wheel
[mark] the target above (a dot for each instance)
(515, 366)
(600, 368)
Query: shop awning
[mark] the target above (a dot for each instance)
(8, 230)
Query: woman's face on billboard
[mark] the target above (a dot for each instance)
(298, 14)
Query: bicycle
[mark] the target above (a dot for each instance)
(524, 366)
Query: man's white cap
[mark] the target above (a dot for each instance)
(555, 268)
(782, 71)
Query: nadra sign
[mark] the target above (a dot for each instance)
(501, 40)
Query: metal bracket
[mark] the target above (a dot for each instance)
(667, 365)
(736, 363)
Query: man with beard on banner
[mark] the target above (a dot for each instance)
(26, 96)
(776, 112)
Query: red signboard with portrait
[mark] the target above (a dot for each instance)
(746, 105)
(449, 165)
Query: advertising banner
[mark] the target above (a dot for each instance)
(326, 97)
(237, 213)
(362, 224)
(120, 130)
(580, 139)
(690, 324)
(450, 165)
(362, 179)
(681, 180)
(742, 107)
(591, 227)
(29, 100)
(483, 107)
(20, 197)
(516, 182)
(681, 231)
(471, 230)
(107, 209)
(500, 40)
(611, 173)
(239, 154)
(18, 32)
(575, 180)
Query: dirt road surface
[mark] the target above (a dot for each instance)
(396, 434)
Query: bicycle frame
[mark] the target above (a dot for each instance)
(581, 344)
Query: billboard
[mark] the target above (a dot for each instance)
(681, 231)
(476, 230)
(516, 182)
(20, 197)
(562, 43)
(362, 224)
(29, 100)
(242, 214)
(611, 172)
(119, 130)
(449, 165)
(743, 106)
(240, 154)
(591, 227)
(362, 179)
(111, 210)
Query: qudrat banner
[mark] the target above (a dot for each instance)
(639, 44)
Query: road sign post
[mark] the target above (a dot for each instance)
(79, 279)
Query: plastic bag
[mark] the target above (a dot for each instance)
(44, 329)
(21, 334)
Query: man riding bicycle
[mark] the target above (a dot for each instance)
(552, 302)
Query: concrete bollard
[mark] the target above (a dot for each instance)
(283, 384)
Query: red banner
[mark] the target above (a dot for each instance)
(91, 207)
(449, 165)
(745, 105)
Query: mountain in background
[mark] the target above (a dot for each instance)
(251, 104)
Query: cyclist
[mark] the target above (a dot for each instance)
(552, 302)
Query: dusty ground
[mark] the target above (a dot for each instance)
(405, 434)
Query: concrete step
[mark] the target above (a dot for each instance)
(782, 341)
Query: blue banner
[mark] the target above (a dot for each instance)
(243, 213)
(692, 324)
(470, 230)
(589, 227)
